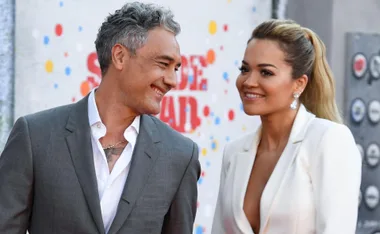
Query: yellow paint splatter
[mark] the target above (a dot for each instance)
(204, 152)
(244, 128)
(212, 27)
(49, 66)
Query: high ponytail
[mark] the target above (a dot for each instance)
(319, 94)
(306, 53)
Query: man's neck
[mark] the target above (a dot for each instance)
(113, 113)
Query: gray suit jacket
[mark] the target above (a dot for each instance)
(48, 183)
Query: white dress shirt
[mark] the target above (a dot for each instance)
(110, 185)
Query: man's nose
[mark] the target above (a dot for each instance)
(171, 79)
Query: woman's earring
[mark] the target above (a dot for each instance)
(294, 104)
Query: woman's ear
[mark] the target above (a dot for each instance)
(300, 84)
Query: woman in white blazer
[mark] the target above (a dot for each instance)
(300, 171)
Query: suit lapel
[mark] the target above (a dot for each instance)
(80, 147)
(144, 157)
(242, 172)
(276, 180)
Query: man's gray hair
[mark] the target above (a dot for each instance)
(129, 26)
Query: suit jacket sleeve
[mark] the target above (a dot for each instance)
(217, 224)
(336, 178)
(181, 215)
(16, 180)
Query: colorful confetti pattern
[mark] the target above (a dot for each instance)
(58, 65)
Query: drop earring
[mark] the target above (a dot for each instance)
(294, 104)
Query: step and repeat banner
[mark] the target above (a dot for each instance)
(56, 64)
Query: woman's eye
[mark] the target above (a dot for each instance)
(266, 73)
(243, 70)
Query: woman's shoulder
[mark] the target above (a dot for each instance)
(323, 127)
(330, 143)
(327, 136)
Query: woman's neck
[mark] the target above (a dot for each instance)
(276, 129)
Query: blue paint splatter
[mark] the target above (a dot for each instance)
(225, 76)
(56, 86)
(190, 78)
(208, 164)
(212, 114)
(236, 63)
(46, 40)
(213, 145)
(80, 29)
(227, 138)
(61, 3)
(211, 137)
(67, 71)
(254, 9)
(217, 121)
(187, 109)
(204, 87)
(241, 107)
(200, 180)
(199, 230)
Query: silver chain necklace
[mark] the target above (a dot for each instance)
(112, 146)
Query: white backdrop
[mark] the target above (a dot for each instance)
(6, 69)
(56, 64)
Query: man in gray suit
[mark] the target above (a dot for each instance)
(105, 164)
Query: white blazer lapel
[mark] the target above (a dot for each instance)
(275, 182)
(244, 159)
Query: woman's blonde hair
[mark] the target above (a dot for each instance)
(306, 53)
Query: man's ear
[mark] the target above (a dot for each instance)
(120, 55)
